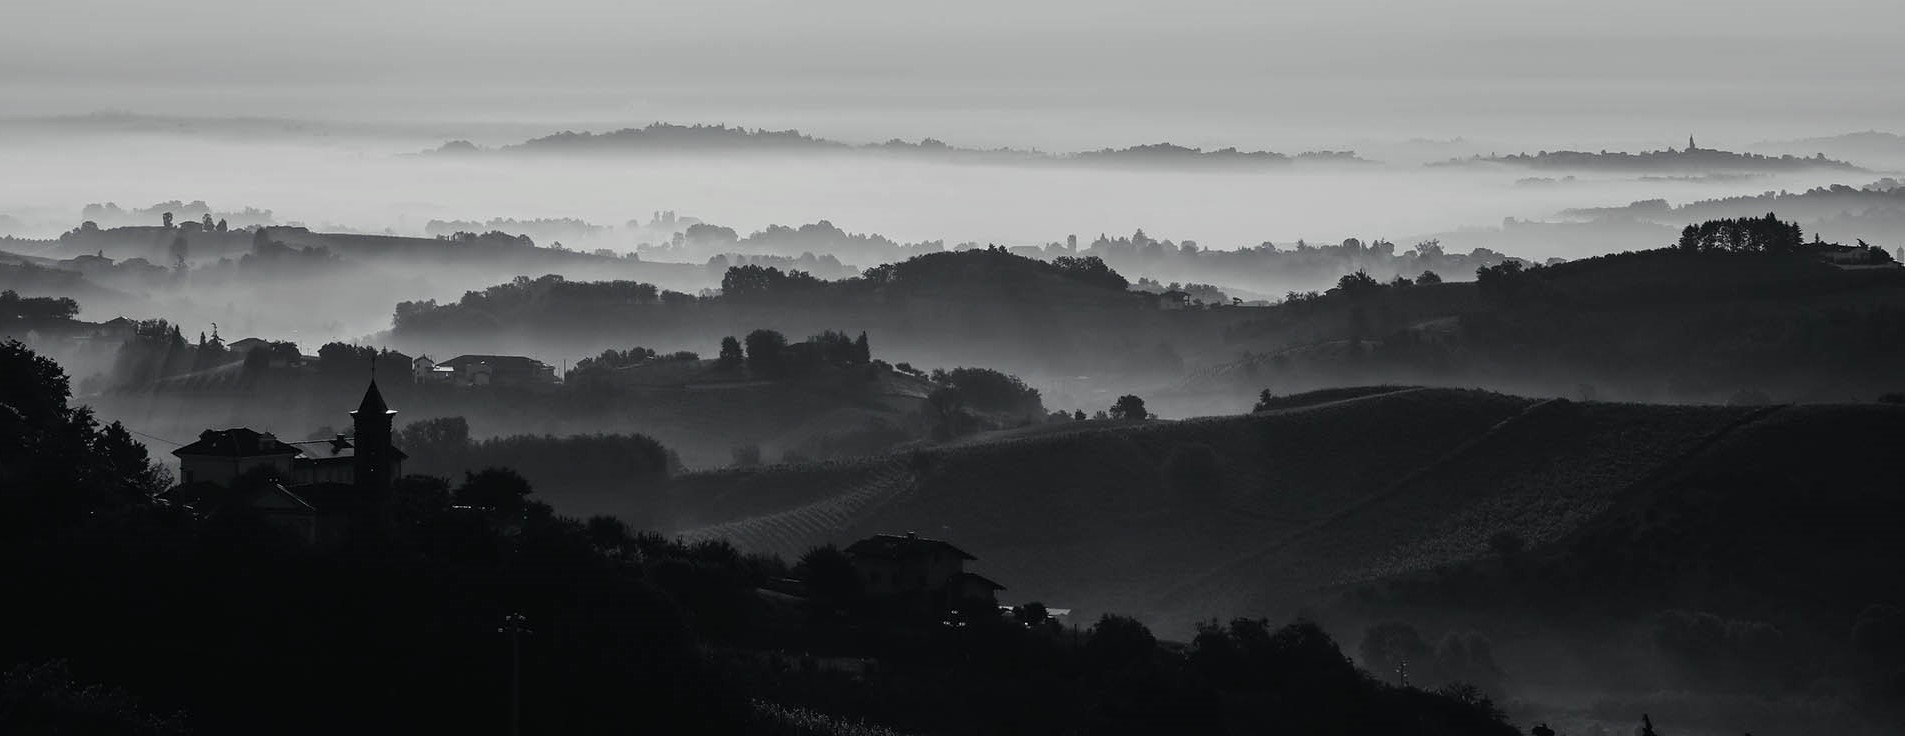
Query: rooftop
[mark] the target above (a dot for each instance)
(901, 546)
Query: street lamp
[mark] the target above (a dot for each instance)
(516, 626)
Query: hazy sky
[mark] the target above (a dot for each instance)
(1063, 74)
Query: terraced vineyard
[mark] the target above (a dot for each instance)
(792, 531)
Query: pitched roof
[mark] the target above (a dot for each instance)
(898, 546)
(980, 579)
(373, 402)
(235, 442)
(505, 362)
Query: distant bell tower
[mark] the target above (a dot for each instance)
(375, 460)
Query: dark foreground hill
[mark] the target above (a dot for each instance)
(1228, 514)
(1576, 536)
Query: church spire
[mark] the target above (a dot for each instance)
(1690, 146)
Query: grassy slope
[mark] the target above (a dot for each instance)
(1793, 513)
(1542, 475)
(1087, 519)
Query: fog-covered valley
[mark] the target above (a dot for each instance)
(843, 368)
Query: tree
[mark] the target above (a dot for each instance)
(830, 576)
(1129, 407)
(342, 358)
(222, 227)
(764, 349)
(862, 352)
(1357, 284)
(1078, 416)
(180, 250)
(441, 432)
(1429, 277)
(1117, 642)
(165, 220)
(945, 407)
(257, 361)
(497, 489)
(206, 223)
(731, 355)
(1265, 401)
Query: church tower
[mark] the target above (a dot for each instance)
(375, 459)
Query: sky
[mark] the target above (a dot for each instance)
(1059, 74)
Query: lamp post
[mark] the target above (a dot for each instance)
(515, 625)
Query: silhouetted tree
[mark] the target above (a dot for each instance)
(165, 220)
(830, 576)
(731, 355)
(1129, 406)
(499, 489)
(764, 351)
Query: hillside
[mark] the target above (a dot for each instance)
(1660, 326)
(1102, 518)
(1284, 504)
(1690, 160)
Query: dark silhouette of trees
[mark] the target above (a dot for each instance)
(1429, 277)
(862, 351)
(1742, 235)
(451, 432)
(57, 464)
(731, 354)
(36, 309)
(830, 576)
(181, 249)
(945, 407)
(1357, 284)
(1129, 407)
(754, 282)
(165, 220)
(989, 390)
(44, 699)
(764, 351)
(1090, 270)
(497, 489)
(1118, 642)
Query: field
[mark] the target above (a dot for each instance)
(1099, 518)
(1179, 521)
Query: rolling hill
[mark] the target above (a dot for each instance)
(1256, 514)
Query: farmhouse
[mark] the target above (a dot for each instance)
(497, 370)
(314, 488)
(910, 571)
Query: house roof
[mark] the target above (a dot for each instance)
(202, 494)
(505, 362)
(902, 546)
(972, 577)
(235, 442)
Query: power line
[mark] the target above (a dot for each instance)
(150, 437)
